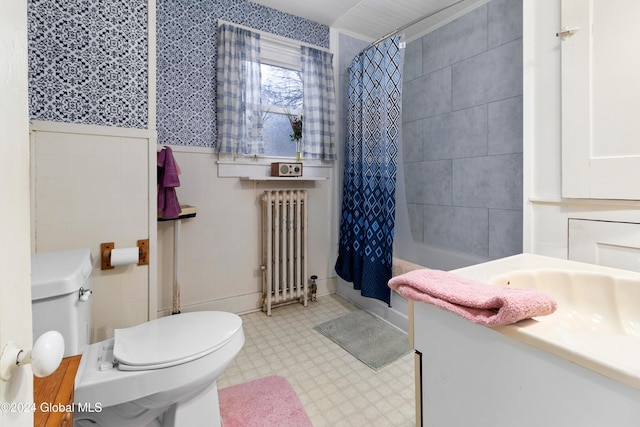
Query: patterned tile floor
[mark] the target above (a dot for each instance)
(335, 388)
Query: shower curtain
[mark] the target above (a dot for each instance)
(371, 157)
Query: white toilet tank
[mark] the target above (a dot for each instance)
(60, 296)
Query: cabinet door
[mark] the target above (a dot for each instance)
(610, 244)
(600, 98)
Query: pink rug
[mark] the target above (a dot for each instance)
(266, 402)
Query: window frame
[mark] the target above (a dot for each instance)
(281, 53)
(278, 110)
(278, 51)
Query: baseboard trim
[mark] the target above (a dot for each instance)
(243, 304)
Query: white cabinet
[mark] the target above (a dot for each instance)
(600, 96)
(607, 243)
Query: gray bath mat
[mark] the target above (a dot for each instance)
(369, 339)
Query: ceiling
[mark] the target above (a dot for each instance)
(373, 19)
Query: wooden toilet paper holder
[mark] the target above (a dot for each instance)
(106, 248)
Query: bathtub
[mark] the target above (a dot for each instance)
(577, 367)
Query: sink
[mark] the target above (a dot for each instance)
(587, 301)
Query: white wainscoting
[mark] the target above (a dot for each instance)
(92, 185)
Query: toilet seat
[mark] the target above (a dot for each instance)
(99, 380)
(173, 340)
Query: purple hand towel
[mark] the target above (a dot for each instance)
(168, 179)
(478, 302)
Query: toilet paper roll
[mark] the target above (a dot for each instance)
(124, 256)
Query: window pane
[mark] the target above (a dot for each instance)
(281, 87)
(277, 136)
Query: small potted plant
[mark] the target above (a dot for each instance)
(296, 136)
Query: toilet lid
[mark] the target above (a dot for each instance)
(173, 340)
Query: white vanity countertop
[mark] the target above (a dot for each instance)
(586, 329)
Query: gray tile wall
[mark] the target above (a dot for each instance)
(462, 132)
(348, 48)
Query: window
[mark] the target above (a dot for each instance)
(281, 98)
(262, 84)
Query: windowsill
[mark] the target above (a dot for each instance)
(282, 178)
(260, 170)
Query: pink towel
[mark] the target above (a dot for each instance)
(481, 303)
(168, 179)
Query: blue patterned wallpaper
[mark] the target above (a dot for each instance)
(88, 61)
(187, 58)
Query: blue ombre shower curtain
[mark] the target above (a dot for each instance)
(368, 201)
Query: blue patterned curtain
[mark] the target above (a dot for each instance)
(238, 92)
(319, 104)
(368, 204)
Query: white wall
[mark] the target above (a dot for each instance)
(93, 185)
(15, 288)
(546, 213)
(220, 251)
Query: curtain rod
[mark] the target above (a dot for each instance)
(415, 21)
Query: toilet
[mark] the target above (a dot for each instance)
(160, 373)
